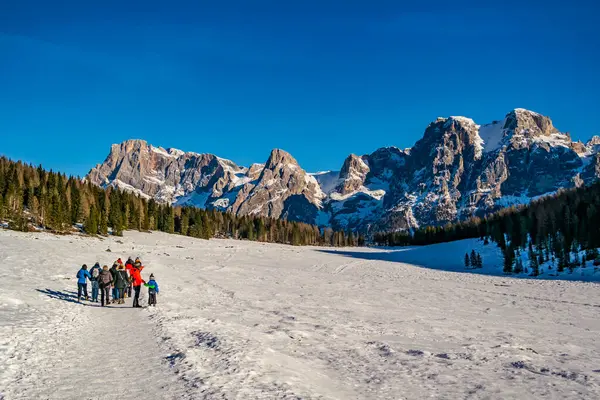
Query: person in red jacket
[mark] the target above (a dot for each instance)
(136, 276)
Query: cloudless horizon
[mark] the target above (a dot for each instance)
(320, 79)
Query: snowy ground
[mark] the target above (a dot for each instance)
(244, 320)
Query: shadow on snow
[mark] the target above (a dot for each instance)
(450, 257)
(69, 296)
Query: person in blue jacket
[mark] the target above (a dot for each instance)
(152, 290)
(82, 277)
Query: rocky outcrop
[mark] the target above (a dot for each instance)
(353, 174)
(280, 179)
(456, 170)
(163, 174)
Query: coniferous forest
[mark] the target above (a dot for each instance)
(31, 197)
(562, 230)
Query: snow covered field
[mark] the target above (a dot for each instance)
(245, 320)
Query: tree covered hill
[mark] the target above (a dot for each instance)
(33, 197)
(562, 231)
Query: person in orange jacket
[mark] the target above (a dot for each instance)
(136, 276)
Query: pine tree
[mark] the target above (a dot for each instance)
(533, 262)
(296, 240)
(518, 266)
(479, 261)
(91, 222)
(75, 203)
(260, 229)
(467, 260)
(473, 259)
(509, 256)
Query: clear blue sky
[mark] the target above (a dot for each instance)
(321, 79)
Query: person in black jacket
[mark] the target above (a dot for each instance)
(94, 272)
(121, 282)
(113, 274)
(129, 267)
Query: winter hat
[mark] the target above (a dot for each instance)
(119, 261)
(151, 276)
(84, 266)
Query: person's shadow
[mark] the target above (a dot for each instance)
(71, 297)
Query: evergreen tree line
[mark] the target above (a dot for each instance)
(554, 229)
(474, 260)
(31, 196)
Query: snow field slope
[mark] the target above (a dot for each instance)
(52, 347)
(246, 320)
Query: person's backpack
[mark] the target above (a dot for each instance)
(95, 273)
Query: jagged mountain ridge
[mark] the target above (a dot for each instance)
(456, 170)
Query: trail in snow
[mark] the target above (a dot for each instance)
(53, 347)
(94, 353)
(245, 320)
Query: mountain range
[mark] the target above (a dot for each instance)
(456, 170)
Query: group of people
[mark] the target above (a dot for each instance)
(117, 281)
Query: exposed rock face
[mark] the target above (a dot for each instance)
(353, 174)
(205, 180)
(158, 173)
(280, 179)
(458, 169)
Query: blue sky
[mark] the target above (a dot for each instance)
(320, 79)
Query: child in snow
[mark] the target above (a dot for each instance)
(152, 290)
(82, 277)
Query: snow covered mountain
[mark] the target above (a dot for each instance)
(458, 169)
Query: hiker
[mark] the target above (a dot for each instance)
(113, 274)
(95, 272)
(136, 275)
(105, 280)
(129, 267)
(152, 290)
(82, 277)
(121, 281)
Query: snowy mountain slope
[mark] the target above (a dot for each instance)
(249, 320)
(458, 169)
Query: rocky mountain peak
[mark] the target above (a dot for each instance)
(354, 165)
(456, 170)
(594, 141)
(529, 123)
(280, 157)
(353, 173)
